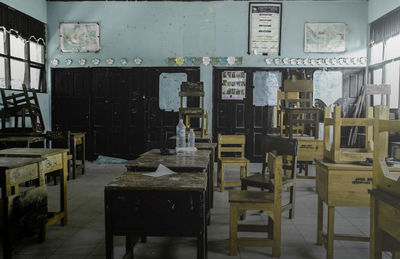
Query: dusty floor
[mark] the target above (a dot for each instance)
(83, 237)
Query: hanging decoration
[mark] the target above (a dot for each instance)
(55, 62)
(68, 62)
(206, 60)
(15, 32)
(179, 61)
(110, 61)
(138, 61)
(124, 61)
(96, 61)
(82, 61)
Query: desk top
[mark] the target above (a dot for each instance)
(204, 137)
(30, 152)
(21, 139)
(15, 162)
(172, 182)
(205, 145)
(352, 167)
(181, 162)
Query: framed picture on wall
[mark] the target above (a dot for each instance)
(324, 37)
(265, 20)
(79, 37)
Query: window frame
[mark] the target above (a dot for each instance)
(27, 61)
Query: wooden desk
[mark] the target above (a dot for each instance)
(308, 149)
(198, 161)
(211, 147)
(55, 159)
(77, 139)
(13, 171)
(341, 185)
(199, 139)
(24, 141)
(139, 205)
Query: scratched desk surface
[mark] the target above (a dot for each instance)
(14, 162)
(190, 161)
(30, 152)
(172, 182)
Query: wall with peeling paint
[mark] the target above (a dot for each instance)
(155, 31)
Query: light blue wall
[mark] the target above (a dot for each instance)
(378, 8)
(35, 8)
(156, 31)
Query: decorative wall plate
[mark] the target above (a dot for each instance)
(286, 61)
(313, 61)
(238, 60)
(179, 61)
(206, 60)
(68, 61)
(293, 61)
(334, 61)
(277, 61)
(82, 61)
(55, 62)
(138, 61)
(320, 61)
(96, 61)
(124, 61)
(327, 61)
(299, 61)
(231, 60)
(110, 61)
(268, 61)
(306, 61)
(363, 60)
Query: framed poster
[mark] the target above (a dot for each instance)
(79, 37)
(325, 37)
(233, 85)
(265, 20)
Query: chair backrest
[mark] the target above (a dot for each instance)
(275, 168)
(281, 146)
(231, 144)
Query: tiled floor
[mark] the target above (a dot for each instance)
(83, 237)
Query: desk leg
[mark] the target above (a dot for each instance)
(63, 189)
(331, 231)
(74, 158)
(375, 235)
(7, 245)
(202, 237)
(212, 178)
(320, 220)
(108, 228)
(83, 154)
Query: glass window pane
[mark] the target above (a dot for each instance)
(2, 42)
(17, 46)
(36, 52)
(392, 47)
(376, 53)
(17, 74)
(35, 77)
(2, 73)
(377, 80)
(392, 74)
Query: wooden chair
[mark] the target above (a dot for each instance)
(22, 105)
(58, 139)
(288, 149)
(270, 202)
(228, 145)
(385, 193)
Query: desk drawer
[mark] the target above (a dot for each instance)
(52, 163)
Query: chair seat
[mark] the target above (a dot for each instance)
(263, 181)
(242, 196)
(234, 160)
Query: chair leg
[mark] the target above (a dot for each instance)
(292, 198)
(219, 174)
(233, 230)
(241, 172)
(222, 177)
(247, 169)
(276, 247)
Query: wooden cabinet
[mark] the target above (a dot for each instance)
(118, 108)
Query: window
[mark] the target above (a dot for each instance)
(384, 55)
(23, 65)
(22, 60)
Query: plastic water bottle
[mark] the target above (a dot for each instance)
(191, 138)
(180, 134)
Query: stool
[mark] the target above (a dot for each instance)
(78, 139)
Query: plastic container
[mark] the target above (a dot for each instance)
(180, 134)
(191, 138)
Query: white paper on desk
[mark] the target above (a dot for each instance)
(161, 171)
